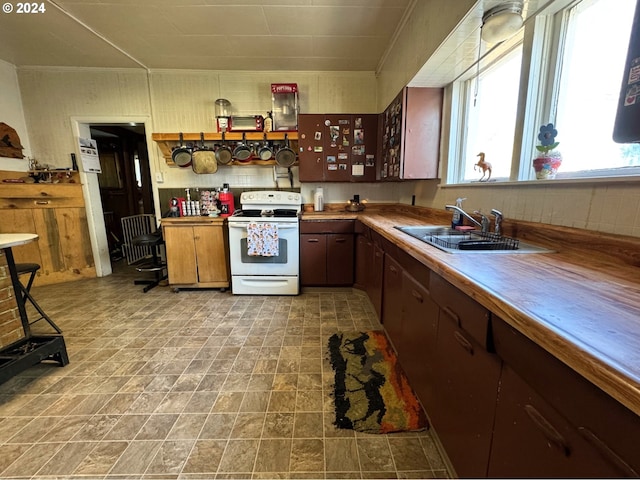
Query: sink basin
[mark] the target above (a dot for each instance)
(453, 241)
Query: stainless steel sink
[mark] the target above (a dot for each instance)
(454, 241)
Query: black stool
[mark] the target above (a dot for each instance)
(32, 268)
(155, 265)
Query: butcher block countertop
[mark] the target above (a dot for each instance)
(580, 303)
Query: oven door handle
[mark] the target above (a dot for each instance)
(285, 226)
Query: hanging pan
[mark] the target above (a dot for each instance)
(285, 156)
(242, 152)
(204, 159)
(181, 155)
(223, 153)
(265, 152)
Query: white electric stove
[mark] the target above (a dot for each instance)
(266, 274)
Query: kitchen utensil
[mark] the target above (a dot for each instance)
(242, 152)
(223, 153)
(181, 155)
(285, 156)
(265, 152)
(204, 159)
(354, 205)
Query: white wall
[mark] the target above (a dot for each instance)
(12, 113)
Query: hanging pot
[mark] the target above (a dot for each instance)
(204, 159)
(265, 152)
(242, 152)
(181, 155)
(223, 153)
(285, 156)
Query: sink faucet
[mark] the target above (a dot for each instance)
(498, 215)
(484, 226)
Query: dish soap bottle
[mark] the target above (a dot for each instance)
(457, 219)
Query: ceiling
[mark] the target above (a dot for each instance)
(298, 35)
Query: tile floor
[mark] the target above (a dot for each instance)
(193, 385)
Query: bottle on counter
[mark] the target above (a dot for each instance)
(226, 201)
(457, 220)
(318, 200)
(268, 122)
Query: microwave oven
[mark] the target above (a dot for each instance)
(252, 123)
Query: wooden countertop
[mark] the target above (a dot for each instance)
(580, 303)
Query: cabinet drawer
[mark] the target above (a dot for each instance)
(41, 195)
(530, 438)
(604, 422)
(41, 202)
(330, 226)
(462, 309)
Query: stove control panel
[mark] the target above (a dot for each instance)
(270, 198)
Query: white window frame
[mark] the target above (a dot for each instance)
(541, 64)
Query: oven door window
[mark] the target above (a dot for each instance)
(280, 258)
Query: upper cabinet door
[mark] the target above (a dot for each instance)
(338, 141)
(411, 135)
(338, 147)
(365, 151)
(311, 151)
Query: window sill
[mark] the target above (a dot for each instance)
(556, 181)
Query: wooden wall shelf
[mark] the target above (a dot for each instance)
(167, 141)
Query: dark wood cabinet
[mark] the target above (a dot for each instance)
(338, 147)
(466, 375)
(313, 259)
(369, 267)
(419, 336)
(410, 131)
(310, 156)
(392, 308)
(326, 253)
(374, 289)
(551, 421)
(532, 439)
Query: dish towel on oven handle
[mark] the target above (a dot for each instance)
(262, 239)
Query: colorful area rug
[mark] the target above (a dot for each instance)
(372, 393)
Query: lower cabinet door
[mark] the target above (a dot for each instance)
(531, 439)
(392, 302)
(419, 330)
(339, 263)
(181, 255)
(212, 262)
(313, 259)
(463, 407)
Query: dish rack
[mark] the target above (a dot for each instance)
(475, 240)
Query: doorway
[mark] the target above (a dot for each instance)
(125, 182)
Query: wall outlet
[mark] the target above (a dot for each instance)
(159, 177)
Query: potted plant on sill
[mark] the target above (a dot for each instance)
(548, 159)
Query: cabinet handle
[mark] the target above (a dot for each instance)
(417, 295)
(452, 314)
(41, 202)
(341, 240)
(552, 435)
(393, 269)
(378, 254)
(312, 240)
(608, 454)
(464, 343)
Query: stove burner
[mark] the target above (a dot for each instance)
(278, 212)
(285, 212)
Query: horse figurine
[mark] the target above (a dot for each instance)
(484, 166)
